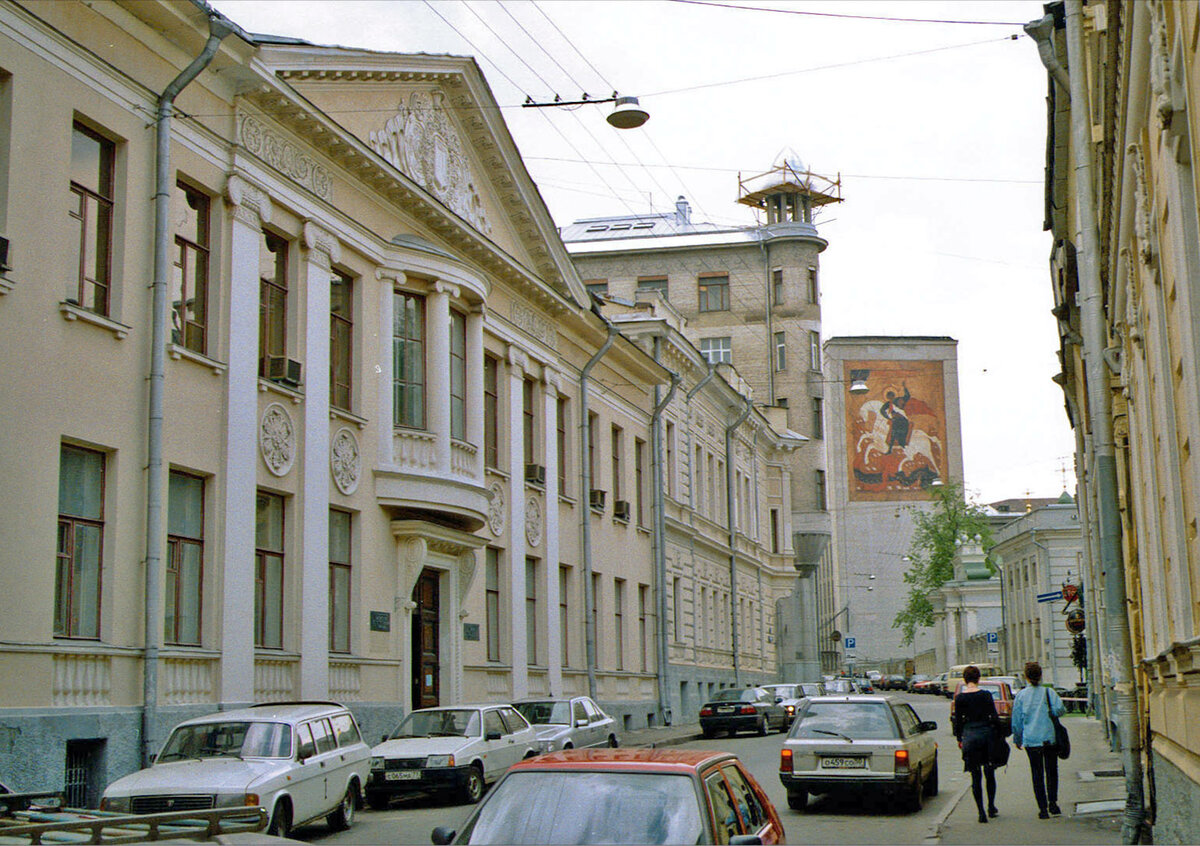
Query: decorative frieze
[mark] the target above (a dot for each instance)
(534, 324)
(345, 681)
(81, 680)
(187, 680)
(285, 156)
(273, 679)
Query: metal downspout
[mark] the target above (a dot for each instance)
(658, 540)
(585, 525)
(730, 484)
(1120, 652)
(218, 29)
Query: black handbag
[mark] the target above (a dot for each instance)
(1062, 740)
(998, 750)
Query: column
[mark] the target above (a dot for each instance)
(475, 385)
(550, 568)
(250, 209)
(516, 523)
(437, 372)
(385, 417)
(321, 250)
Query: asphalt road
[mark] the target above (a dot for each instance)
(828, 819)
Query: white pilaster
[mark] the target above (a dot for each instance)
(475, 386)
(386, 412)
(321, 251)
(516, 524)
(437, 372)
(250, 209)
(550, 565)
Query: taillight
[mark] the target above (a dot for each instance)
(785, 760)
(749, 709)
(901, 765)
(706, 712)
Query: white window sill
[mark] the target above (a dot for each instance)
(266, 385)
(178, 353)
(70, 311)
(347, 417)
(7, 283)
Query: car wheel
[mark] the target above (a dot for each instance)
(707, 732)
(762, 726)
(613, 743)
(343, 815)
(378, 801)
(281, 820)
(916, 794)
(797, 799)
(472, 789)
(931, 783)
(568, 745)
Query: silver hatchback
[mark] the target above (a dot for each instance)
(568, 723)
(860, 743)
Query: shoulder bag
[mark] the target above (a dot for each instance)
(1062, 740)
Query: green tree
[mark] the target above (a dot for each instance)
(948, 518)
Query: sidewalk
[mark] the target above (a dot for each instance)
(1088, 783)
(661, 735)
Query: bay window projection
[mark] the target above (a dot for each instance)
(408, 360)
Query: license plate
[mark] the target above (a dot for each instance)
(402, 775)
(844, 763)
(724, 709)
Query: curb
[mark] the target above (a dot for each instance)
(934, 834)
(651, 743)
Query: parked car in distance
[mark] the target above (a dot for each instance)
(299, 761)
(623, 796)
(860, 744)
(938, 684)
(568, 723)
(789, 695)
(844, 685)
(1015, 682)
(917, 682)
(742, 709)
(456, 749)
(1002, 695)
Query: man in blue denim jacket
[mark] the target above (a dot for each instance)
(1033, 728)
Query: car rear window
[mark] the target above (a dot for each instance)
(734, 695)
(546, 713)
(589, 807)
(860, 720)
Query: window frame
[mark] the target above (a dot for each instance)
(416, 346)
(710, 285)
(777, 295)
(723, 349)
(340, 640)
(103, 197)
(341, 343)
(64, 590)
(491, 412)
(200, 249)
(176, 542)
(562, 429)
(273, 301)
(458, 370)
(780, 352)
(654, 283)
(491, 612)
(264, 557)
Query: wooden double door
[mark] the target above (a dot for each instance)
(426, 622)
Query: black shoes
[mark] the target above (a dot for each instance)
(1055, 810)
(992, 812)
(982, 817)
(1043, 814)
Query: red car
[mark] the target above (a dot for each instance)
(623, 796)
(1001, 693)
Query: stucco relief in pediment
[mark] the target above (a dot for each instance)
(421, 140)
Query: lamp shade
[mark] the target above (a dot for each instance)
(627, 114)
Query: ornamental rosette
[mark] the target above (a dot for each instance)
(277, 439)
(345, 461)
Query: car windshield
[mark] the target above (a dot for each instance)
(228, 740)
(840, 686)
(733, 695)
(546, 713)
(787, 691)
(810, 690)
(440, 723)
(589, 807)
(859, 720)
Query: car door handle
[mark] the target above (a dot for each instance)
(322, 765)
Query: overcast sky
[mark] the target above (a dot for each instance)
(937, 131)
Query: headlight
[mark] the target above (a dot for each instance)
(377, 763)
(439, 761)
(546, 745)
(116, 804)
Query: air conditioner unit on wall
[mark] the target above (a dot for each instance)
(283, 370)
(596, 498)
(621, 509)
(535, 473)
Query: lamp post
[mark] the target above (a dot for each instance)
(627, 113)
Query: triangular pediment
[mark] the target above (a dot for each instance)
(434, 120)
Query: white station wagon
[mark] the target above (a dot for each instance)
(300, 761)
(456, 749)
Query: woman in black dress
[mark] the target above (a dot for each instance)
(975, 723)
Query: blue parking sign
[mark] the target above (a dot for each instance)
(992, 638)
(850, 642)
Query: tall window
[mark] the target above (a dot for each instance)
(527, 419)
(341, 340)
(677, 608)
(669, 470)
(639, 479)
(616, 462)
(820, 490)
(561, 427)
(714, 292)
(182, 591)
(775, 530)
(780, 351)
(272, 300)
(339, 580)
(643, 640)
(595, 611)
(492, 602)
(653, 283)
(408, 360)
(619, 621)
(91, 211)
(814, 350)
(777, 287)
(593, 433)
(189, 281)
(564, 628)
(531, 610)
(268, 572)
(458, 375)
(80, 542)
(813, 291)
(491, 411)
(717, 350)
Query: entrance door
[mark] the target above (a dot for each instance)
(425, 641)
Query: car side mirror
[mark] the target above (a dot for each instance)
(442, 835)
(492, 735)
(153, 758)
(580, 723)
(778, 699)
(383, 739)
(928, 725)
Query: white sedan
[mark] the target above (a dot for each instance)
(453, 749)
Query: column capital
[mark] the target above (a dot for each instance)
(553, 381)
(251, 204)
(517, 358)
(397, 277)
(323, 247)
(441, 286)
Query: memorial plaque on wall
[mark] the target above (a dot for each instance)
(381, 621)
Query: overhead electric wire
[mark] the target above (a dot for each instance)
(843, 15)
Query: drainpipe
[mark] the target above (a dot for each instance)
(1119, 649)
(218, 28)
(585, 525)
(730, 489)
(658, 540)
